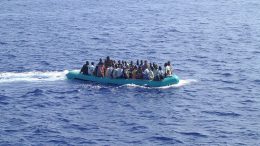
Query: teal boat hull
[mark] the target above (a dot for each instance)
(165, 82)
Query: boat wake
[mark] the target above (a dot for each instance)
(180, 84)
(39, 76)
(34, 76)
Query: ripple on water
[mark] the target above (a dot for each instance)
(195, 134)
(36, 92)
(229, 114)
(165, 140)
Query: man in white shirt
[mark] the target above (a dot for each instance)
(91, 68)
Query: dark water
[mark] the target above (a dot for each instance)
(214, 46)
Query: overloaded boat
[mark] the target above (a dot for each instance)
(169, 80)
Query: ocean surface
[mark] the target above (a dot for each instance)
(214, 46)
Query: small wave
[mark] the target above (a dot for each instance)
(196, 134)
(180, 84)
(166, 139)
(231, 114)
(34, 76)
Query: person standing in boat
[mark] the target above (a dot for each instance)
(84, 69)
(108, 63)
(101, 69)
(170, 67)
(167, 70)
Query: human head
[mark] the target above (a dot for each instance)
(108, 58)
(165, 64)
(160, 68)
(87, 62)
(92, 63)
(152, 68)
(169, 63)
(155, 66)
(100, 60)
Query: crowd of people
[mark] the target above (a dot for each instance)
(122, 69)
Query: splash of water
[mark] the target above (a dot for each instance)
(180, 84)
(33, 76)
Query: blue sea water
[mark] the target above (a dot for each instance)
(213, 44)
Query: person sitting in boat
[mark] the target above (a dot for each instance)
(155, 72)
(109, 71)
(160, 73)
(151, 75)
(119, 71)
(119, 62)
(84, 69)
(114, 71)
(91, 69)
(131, 68)
(145, 65)
(95, 71)
(126, 72)
(139, 73)
(146, 74)
(133, 72)
(101, 69)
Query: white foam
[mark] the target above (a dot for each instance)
(34, 76)
(180, 84)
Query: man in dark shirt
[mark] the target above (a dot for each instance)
(84, 68)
